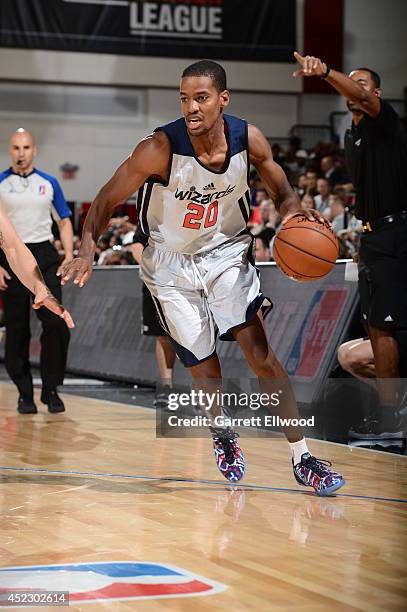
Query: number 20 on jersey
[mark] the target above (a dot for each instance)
(199, 216)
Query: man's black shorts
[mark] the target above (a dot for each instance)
(383, 276)
(150, 325)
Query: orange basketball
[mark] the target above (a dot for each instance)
(305, 249)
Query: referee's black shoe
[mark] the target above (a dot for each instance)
(26, 405)
(54, 402)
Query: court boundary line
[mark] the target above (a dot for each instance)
(197, 481)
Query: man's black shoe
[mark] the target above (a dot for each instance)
(390, 425)
(54, 402)
(26, 405)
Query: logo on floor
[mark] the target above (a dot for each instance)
(108, 581)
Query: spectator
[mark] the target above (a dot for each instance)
(307, 202)
(267, 210)
(337, 213)
(123, 228)
(322, 197)
(262, 247)
(301, 184)
(311, 182)
(334, 174)
(260, 196)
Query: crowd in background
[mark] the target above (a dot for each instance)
(318, 175)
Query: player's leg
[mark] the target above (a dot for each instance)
(308, 470)
(387, 359)
(55, 334)
(356, 357)
(184, 314)
(235, 300)
(165, 355)
(207, 377)
(164, 351)
(272, 376)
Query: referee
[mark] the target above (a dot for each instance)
(376, 152)
(31, 199)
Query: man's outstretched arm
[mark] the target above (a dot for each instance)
(149, 158)
(350, 89)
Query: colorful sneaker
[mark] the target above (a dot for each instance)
(313, 472)
(228, 454)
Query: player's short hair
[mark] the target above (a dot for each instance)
(210, 69)
(375, 76)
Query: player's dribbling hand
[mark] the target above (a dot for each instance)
(44, 297)
(79, 269)
(311, 214)
(310, 66)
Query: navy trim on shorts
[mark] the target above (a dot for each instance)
(251, 312)
(187, 358)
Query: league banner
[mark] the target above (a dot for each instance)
(259, 30)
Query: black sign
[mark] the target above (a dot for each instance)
(252, 30)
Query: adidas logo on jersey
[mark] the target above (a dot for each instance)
(208, 187)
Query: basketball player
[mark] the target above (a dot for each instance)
(25, 267)
(193, 175)
(376, 152)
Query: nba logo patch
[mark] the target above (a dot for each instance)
(41, 189)
(107, 581)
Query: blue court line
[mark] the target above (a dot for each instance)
(197, 481)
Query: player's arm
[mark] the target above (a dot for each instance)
(351, 90)
(149, 158)
(24, 265)
(285, 199)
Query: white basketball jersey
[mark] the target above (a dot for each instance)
(198, 209)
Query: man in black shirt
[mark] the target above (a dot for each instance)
(376, 151)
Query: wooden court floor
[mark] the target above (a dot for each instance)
(95, 486)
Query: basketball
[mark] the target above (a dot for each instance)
(305, 249)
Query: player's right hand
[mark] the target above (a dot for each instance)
(310, 66)
(4, 276)
(79, 269)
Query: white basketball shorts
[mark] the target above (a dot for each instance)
(200, 296)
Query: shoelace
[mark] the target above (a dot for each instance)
(227, 438)
(318, 465)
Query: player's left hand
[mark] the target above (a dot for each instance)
(310, 66)
(44, 297)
